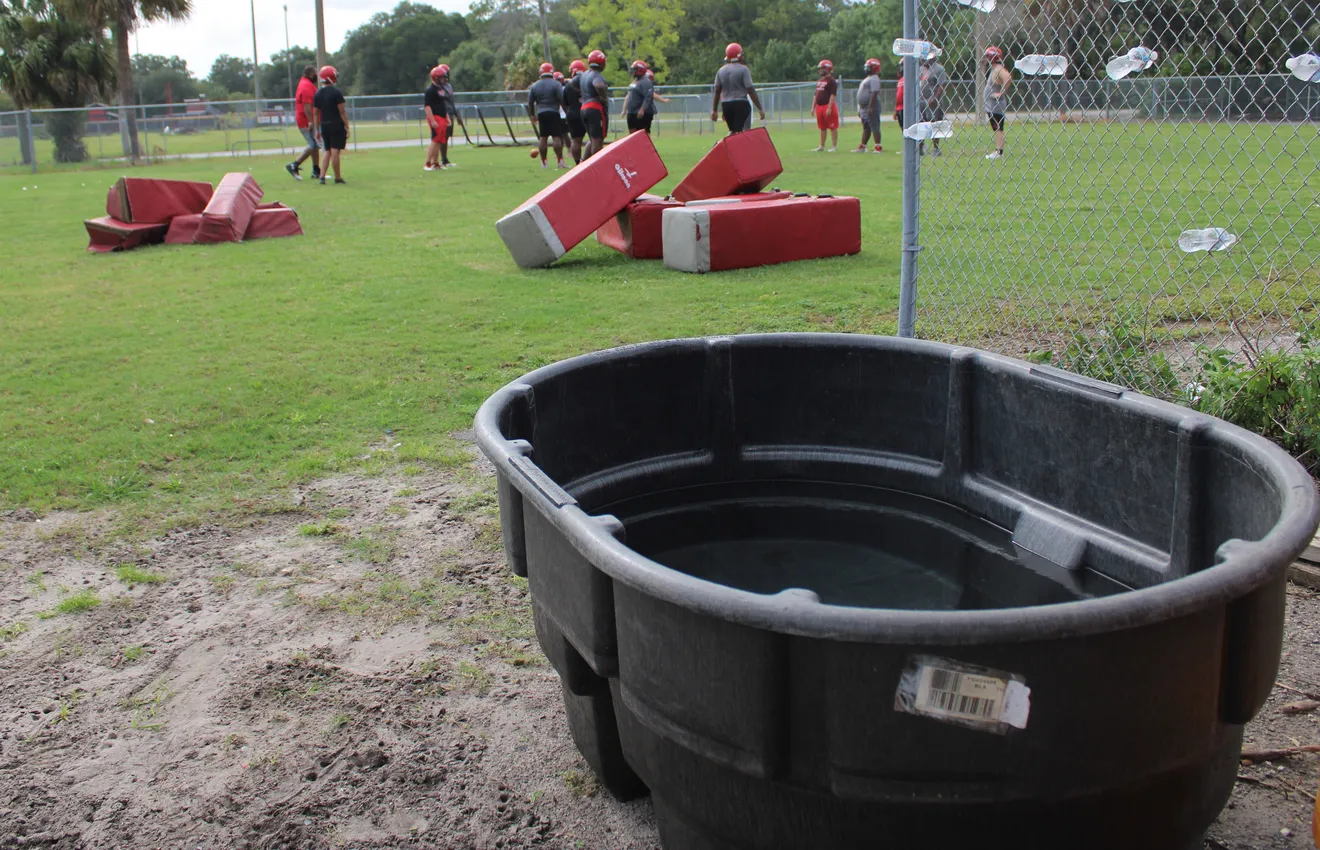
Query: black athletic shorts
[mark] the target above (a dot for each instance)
(640, 122)
(549, 125)
(996, 121)
(334, 137)
(594, 122)
(737, 115)
(574, 123)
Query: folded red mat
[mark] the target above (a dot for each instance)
(147, 200)
(230, 209)
(738, 164)
(108, 233)
(567, 211)
(272, 220)
(715, 237)
(636, 230)
(183, 229)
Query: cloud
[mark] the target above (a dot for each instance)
(225, 26)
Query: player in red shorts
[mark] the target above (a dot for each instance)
(441, 114)
(827, 105)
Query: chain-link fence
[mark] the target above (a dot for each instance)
(1155, 204)
(31, 140)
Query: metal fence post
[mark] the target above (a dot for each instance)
(907, 276)
(32, 139)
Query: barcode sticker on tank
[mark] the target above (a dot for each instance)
(963, 694)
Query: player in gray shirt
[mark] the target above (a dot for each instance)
(733, 86)
(639, 105)
(545, 98)
(595, 103)
(868, 105)
(931, 82)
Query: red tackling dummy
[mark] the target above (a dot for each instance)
(738, 164)
(636, 231)
(272, 220)
(230, 210)
(716, 237)
(564, 213)
(145, 200)
(108, 233)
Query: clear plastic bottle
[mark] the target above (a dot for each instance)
(1305, 67)
(929, 130)
(919, 49)
(979, 5)
(1048, 65)
(1209, 239)
(1136, 59)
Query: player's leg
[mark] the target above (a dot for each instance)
(874, 121)
(325, 153)
(999, 134)
(833, 118)
(866, 132)
(444, 144)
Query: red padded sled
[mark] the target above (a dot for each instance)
(738, 164)
(717, 237)
(567, 211)
(230, 210)
(636, 231)
(108, 233)
(145, 200)
(272, 220)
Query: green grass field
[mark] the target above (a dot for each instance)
(176, 379)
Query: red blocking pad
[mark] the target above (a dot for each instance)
(230, 209)
(272, 220)
(108, 233)
(717, 237)
(183, 229)
(554, 220)
(146, 200)
(636, 230)
(738, 164)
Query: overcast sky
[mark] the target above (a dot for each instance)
(225, 26)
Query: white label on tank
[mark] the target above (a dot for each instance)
(963, 694)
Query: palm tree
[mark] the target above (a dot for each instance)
(47, 59)
(122, 17)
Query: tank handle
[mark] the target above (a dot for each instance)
(1091, 385)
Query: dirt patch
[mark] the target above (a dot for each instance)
(356, 672)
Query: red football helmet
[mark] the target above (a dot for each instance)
(639, 68)
(547, 70)
(826, 65)
(577, 66)
(650, 75)
(994, 55)
(596, 59)
(872, 66)
(328, 74)
(733, 51)
(559, 77)
(439, 72)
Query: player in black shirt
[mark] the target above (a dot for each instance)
(436, 105)
(330, 112)
(573, 108)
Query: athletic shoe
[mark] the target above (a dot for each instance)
(316, 173)
(340, 180)
(820, 149)
(293, 171)
(936, 152)
(430, 167)
(834, 150)
(448, 165)
(545, 164)
(879, 149)
(322, 181)
(995, 155)
(858, 150)
(561, 165)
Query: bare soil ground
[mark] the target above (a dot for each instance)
(351, 668)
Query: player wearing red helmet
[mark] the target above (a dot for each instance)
(639, 105)
(438, 104)
(733, 89)
(573, 108)
(330, 113)
(827, 105)
(868, 105)
(997, 85)
(595, 102)
(545, 99)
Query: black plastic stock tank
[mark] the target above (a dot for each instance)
(824, 591)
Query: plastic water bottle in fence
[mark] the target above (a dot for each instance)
(1035, 64)
(979, 5)
(1136, 59)
(1305, 67)
(919, 49)
(1209, 239)
(929, 130)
